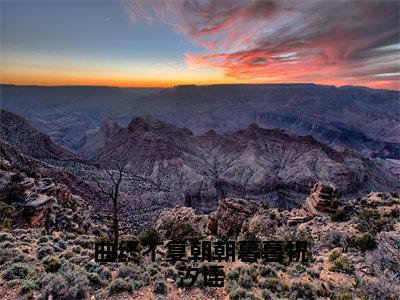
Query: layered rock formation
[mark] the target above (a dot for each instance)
(43, 202)
(166, 165)
(322, 200)
(227, 221)
(239, 218)
(261, 164)
(97, 138)
(180, 214)
(363, 119)
(20, 134)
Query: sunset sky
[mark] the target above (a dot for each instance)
(165, 43)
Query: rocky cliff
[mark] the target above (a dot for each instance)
(166, 165)
(262, 164)
(363, 119)
(19, 133)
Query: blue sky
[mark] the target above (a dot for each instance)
(80, 37)
(87, 29)
(164, 43)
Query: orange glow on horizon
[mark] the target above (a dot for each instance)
(91, 82)
(170, 43)
(160, 84)
(164, 80)
(118, 80)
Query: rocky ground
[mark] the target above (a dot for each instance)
(354, 250)
(52, 215)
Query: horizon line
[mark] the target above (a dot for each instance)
(199, 85)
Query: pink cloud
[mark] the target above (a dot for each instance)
(333, 42)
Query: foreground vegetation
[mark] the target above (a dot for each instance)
(36, 265)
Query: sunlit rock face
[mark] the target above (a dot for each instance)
(322, 200)
(228, 219)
